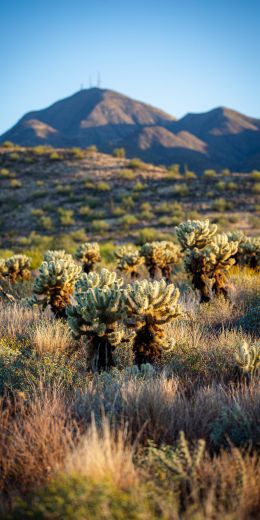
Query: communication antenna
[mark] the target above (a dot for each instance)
(90, 82)
(82, 86)
(98, 80)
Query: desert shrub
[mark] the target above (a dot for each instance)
(119, 152)
(255, 175)
(85, 211)
(137, 164)
(100, 225)
(209, 174)
(128, 221)
(14, 183)
(151, 305)
(180, 189)
(139, 186)
(66, 217)
(256, 187)
(92, 148)
(103, 186)
(46, 223)
(77, 153)
(88, 254)
(55, 156)
(127, 174)
(221, 204)
(4, 172)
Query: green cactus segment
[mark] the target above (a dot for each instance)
(55, 283)
(160, 257)
(151, 305)
(15, 268)
(59, 254)
(129, 260)
(89, 255)
(195, 233)
(100, 315)
(249, 252)
(208, 257)
(248, 358)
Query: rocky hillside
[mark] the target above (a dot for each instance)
(216, 139)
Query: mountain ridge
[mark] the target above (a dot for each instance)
(218, 138)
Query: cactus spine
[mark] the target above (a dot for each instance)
(15, 268)
(151, 305)
(248, 358)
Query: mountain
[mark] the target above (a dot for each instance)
(215, 139)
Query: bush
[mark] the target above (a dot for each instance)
(119, 152)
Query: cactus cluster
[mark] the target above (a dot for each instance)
(15, 268)
(55, 282)
(88, 254)
(207, 257)
(129, 260)
(150, 306)
(160, 257)
(248, 252)
(248, 358)
(100, 315)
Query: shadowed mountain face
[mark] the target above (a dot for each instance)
(216, 139)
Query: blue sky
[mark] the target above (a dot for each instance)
(179, 55)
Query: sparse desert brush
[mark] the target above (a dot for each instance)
(88, 254)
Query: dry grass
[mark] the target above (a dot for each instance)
(16, 319)
(35, 436)
(50, 336)
(103, 455)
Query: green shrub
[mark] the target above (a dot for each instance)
(119, 152)
(100, 225)
(66, 217)
(103, 186)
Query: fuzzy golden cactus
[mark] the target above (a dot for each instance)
(99, 315)
(160, 258)
(208, 257)
(15, 268)
(249, 252)
(55, 283)
(88, 254)
(195, 233)
(248, 358)
(151, 305)
(129, 260)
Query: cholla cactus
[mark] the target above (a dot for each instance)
(249, 252)
(248, 358)
(207, 258)
(89, 255)
(3, 268)
(99, 314)
(150, 306)
(15, 268)
(59, 254)
(195, 233)
(129, 260)
(160, 257)
(55, 284)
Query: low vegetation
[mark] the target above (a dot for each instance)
(129, 372)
